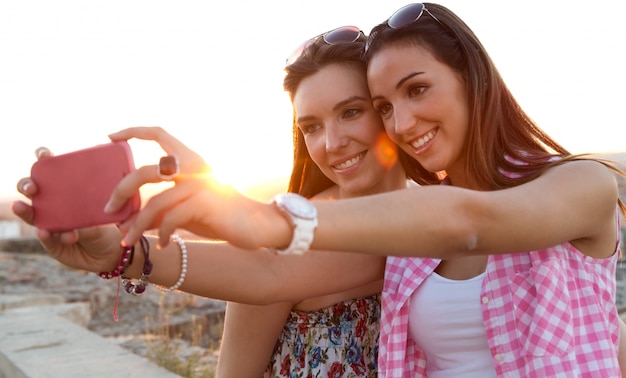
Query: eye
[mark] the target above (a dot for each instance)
(384, 108)
(352, 112)
(416, 90)
(308, 129)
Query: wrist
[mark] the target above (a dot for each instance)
(301, 217)
(280, 234)
(124, 261)
(135, 267)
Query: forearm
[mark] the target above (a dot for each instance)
(222, 271)
(413, 222)
(250, 332)
(445, 222)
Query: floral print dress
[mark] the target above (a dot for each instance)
(337, 341)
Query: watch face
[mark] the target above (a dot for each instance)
(298, 205)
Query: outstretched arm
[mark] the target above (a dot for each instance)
(215, 269)
(221, 271)
(431, 221)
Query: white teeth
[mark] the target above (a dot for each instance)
(423, 140)
(349, 163)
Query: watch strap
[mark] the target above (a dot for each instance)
(302, 238)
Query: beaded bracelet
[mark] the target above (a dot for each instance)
(183, 268)
(127, 258)
(139, 287)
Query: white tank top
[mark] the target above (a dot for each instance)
(446, 321)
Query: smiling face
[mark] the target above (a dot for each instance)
(423, 105)
(344, 134)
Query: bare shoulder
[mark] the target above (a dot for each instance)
(587, 171)
(598, 196)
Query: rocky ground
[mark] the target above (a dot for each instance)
(188, 324)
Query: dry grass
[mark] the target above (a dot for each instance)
(181, 349)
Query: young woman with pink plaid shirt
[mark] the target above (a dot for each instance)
(506, 270)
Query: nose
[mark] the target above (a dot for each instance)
(336, 138)
(403, 121)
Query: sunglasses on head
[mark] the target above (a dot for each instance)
(404, 16)
(344, 34)
(409, 14)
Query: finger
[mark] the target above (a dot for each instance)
(69, 237)
(50, 240)
(169, 143)
(129, 185)
(127, 224)
(175, 218)
(190, 161)
(46, 239)
(154, 209)
(27, 187)
(42, 152)
(23, 210)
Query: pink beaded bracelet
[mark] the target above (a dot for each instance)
(127, 258)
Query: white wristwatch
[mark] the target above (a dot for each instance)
(302, 216)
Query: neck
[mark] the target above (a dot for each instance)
(394, 179)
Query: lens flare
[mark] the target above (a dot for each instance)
(386, 151)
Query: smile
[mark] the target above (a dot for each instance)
(350, 162)
(420, 142)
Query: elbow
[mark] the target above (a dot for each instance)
(470, 244)
(466, 243)
(466, 235)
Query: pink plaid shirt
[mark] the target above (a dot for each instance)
(547, 313)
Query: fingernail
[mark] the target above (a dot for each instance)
(25, 187)
(124, 242)
(107, 208)
(40, 151)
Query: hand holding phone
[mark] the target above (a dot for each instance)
(73, 188)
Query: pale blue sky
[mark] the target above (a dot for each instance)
(72, 71)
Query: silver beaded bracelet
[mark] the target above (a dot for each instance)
(183, 269)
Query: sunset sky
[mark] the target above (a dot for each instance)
(210, 72)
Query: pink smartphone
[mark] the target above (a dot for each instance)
(73, 188)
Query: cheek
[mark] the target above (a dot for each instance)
(389, 129)
(316, 147)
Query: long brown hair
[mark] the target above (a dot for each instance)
(307, 178)
(504, 147)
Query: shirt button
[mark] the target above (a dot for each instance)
(499, 357)
(485, 300)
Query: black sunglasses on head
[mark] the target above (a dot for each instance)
(344, 34)
(409, 14)
(406, 15)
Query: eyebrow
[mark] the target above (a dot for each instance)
(349, 100)
(337, 106)
(402, 81)
(407, 77)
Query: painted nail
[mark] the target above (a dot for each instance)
(40, 151)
